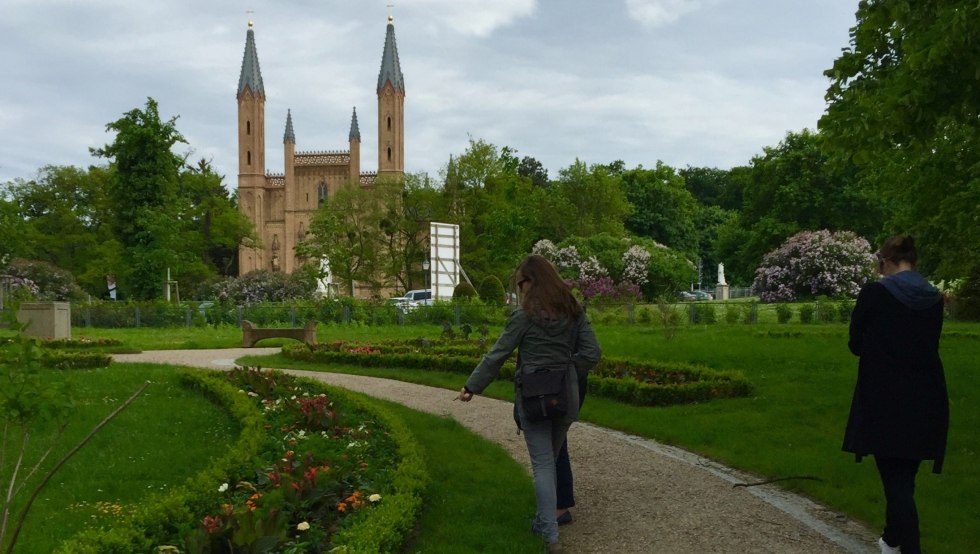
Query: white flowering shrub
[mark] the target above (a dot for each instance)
(636, 264)
(815, 263)
(567, 258)
(546, 248)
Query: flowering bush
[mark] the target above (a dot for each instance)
(264, 286)
(814, 263)
(323, 467)
(636, 264)
(42, 280)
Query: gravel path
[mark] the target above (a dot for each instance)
(634, 494)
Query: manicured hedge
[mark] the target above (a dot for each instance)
(643, 384)
(162, 519)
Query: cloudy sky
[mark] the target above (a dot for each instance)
(687, 82)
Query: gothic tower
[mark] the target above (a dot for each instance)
(391, 109)
(251, 148)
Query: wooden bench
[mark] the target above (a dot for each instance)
(252, 334)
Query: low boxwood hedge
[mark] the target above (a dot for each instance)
(623, 380)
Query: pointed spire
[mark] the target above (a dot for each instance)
(355, 131)
(391, 71)
(289, 137)
(251, 76)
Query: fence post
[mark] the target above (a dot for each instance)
(457, 312)
(691, 313)
(88, 316)
(346, 314)
(292, 316)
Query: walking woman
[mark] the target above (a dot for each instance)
(900, 410)
(552, 333)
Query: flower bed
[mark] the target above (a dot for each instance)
(643, 384)
(316, 469)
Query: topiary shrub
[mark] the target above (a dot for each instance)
(815, 263)
(806, 313)
(783, 313)
(492, 291)
(464, 291)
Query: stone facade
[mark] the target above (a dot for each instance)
(281, 205)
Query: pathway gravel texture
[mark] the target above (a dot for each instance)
(633, 494)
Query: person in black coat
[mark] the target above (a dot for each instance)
(900, 409)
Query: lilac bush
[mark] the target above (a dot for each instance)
(636, 265)
(815, 263)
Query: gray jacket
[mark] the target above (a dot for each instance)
(541, 344)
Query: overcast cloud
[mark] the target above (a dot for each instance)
(687, 82)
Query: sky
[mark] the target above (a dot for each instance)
(704, 83)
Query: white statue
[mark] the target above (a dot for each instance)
(721, 274)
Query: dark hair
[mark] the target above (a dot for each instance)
(899, 248)
(549, 295)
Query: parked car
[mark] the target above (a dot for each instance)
(421, 297)
(695, 295)
(702, 295)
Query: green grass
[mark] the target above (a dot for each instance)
(803, 377)
(167, 435)
(792, 425)
(478, 495)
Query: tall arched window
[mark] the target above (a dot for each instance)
(389, 154)
(249, 158)
(321, 194)
(389, 123)
(248, 127)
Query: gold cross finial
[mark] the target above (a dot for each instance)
(249, 14)
(390, 6)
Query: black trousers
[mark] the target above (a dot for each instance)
(901, 516)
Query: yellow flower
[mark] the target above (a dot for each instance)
(374, 497)
(303, 526)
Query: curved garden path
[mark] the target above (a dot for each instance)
(634, 494)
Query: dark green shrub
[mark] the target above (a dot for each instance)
(733, 313)
(492, 291)
(806, 313)
(783, 313)
(844, 310)
(464, 291)
(965, 304)
(704, 313)
(752, 313)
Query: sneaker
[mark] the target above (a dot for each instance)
(565, 518)
(886, 549)
(553, 548)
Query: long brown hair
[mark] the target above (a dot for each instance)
(899, 248)
(548, 295)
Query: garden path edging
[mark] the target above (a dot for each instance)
(634, 494)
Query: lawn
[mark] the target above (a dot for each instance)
(791, 426)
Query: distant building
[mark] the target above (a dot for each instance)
(281, 205)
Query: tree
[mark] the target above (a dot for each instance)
(143, 195)
(663, 209)
(586, 200)
(532, 169)
(788, 189)
(347, 231)
(903, 106)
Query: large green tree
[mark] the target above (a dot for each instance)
(904, 106)
(663, 209)
(143, 196)
(792, 188)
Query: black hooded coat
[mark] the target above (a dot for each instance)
(900, 406)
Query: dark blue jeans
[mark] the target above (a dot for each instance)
(901, 516)
(565, 486)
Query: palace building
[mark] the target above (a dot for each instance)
(281, 205)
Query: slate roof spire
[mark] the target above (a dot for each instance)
(355, 131)
(289, 137)
(391, 71)
(251, 75)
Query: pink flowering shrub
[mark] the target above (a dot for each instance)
(815, 263)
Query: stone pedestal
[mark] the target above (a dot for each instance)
(49, 320)
(721, 292)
